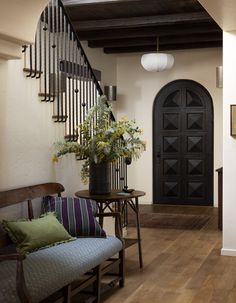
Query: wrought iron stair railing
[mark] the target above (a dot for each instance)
(66, 78)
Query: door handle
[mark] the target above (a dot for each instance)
(158, 155)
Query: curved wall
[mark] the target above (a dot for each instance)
(18, 22)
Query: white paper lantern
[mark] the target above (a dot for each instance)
(157, 62)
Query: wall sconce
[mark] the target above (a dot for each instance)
(233, 120)
(219, 76)
(55, 80)
(110, 92)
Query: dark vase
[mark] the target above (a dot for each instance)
(100, 178)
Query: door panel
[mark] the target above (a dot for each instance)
(183, 145)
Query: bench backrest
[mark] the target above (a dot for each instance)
(19, 195)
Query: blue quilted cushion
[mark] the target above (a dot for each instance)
(50, 269)
(76, 214)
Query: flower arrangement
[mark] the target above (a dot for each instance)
(103, 140)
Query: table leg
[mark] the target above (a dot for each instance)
(138, 233)
(119, 209)
(100, 207)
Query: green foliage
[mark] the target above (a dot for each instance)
(103, 140)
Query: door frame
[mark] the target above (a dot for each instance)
(155, 104)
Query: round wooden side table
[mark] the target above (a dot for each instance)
(120, 200)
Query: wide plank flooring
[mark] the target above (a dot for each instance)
(180, 266)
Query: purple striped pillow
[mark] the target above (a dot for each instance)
(76, 214)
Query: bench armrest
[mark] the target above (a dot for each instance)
(12, 256)
(117, 216)
(20, 279)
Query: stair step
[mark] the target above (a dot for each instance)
(71, 137)
(78, 157)
(28, 70)
(60, 118)
(47, 95)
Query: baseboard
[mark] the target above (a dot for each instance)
(228, 252)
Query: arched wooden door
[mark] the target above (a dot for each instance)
(183, 145)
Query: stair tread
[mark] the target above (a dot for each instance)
(28, 70)
(47, 95)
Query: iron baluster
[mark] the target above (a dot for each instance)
(34, 70)
(76, 95)
(69, 67)
(65, 66)
(53, 84)
(62, 71)
(57, 82)
(48, 99)
(73, 86)
(86, 88)
(80, 93)
(45, 56)
(30, 72)
(83, 88)
(40, 48)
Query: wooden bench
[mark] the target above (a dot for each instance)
(92, 276)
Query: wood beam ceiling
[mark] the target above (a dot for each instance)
(84, 2)
(134, 25)
(149, 32)
(142, 49)
(144, 21)
(152, 41)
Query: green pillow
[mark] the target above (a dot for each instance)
(38, 233)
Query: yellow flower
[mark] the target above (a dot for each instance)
(54, 159)
(124, 118)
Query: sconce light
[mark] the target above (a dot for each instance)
(233, 120)
(55, 80)
(219, 76)
(110, 92)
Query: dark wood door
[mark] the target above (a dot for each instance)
(183, 145)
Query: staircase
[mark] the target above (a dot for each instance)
(66, 78)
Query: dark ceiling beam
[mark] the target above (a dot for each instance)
(134, 22)
(152, 40)
(85, 2)
(149, 32)
(143, 49)
(122, 42)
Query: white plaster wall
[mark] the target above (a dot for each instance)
(229, 146)
(26, 131)
(19, 19)
(222, 11)
(137, 89)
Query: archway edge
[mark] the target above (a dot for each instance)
(19, 21)
(181, 80)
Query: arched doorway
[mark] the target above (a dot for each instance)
(183, 145)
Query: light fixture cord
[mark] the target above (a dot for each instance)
(158, 41)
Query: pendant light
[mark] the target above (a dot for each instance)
(157, 62)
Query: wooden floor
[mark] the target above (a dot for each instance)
(180, 266)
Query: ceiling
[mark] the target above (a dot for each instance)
(125, 26)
